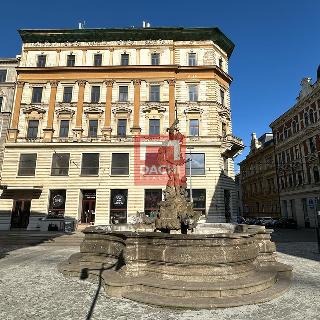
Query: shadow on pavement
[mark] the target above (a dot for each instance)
(17, 239)
(289, 241)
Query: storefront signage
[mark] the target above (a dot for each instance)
(119, 200)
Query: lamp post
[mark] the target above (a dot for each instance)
(190, 183)
(317, 220)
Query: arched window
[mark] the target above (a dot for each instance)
(294, 126)
(306, 119)
(311, 117)
(316, 174)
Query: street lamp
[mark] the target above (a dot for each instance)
(190, 160)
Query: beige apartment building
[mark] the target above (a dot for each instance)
(83, 96)
(297, 149)
(7, 86)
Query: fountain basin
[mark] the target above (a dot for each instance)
(186, 271)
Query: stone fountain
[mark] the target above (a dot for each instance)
(231, 266)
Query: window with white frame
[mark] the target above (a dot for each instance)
(192, 59)
(193, 92)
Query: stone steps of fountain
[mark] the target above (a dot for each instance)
(282, 283)
(261, 280)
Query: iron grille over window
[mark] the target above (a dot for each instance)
(155, 59)
(71, 60)
(67, 94)
(193, 92)
(194, 127)
(37, 94)
(60, 164)
(41, 61)
(98, 59)
(120, 164)
(64, 129)
(197, 164)
(93, 128)
(154, 93)
(3, 75)
(124, 59)
(154, 126)
(122, 127)
(90, 164)
(27, 164)
(95, 94)
(192, 59)
(32, 129)
(123, 93)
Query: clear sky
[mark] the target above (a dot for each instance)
(277, 42)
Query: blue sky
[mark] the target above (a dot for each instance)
(277, 42)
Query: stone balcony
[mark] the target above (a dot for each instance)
(232, 145)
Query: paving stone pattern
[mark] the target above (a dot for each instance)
(32, 288)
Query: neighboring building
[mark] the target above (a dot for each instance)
(7, 85)
(297, 148)
(260, 196)
(83, 96)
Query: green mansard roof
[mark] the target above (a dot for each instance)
(134, 34)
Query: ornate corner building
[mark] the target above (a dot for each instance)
(297, 151)
(83, 95)
(258, 179)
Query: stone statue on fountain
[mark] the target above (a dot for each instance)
(176, 211)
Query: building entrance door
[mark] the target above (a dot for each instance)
(20, 213)
(88, 206)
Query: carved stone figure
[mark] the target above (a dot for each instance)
(176, 212)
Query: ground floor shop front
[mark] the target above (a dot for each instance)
(25, 208)
(302, 207)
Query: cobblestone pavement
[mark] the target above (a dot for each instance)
(32, 288)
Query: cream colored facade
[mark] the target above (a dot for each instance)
(174, 75)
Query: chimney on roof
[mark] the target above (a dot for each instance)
(145, 24)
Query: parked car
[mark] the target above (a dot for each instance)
(287, 223)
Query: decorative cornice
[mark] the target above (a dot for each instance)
(33, 108)
(95, 110)
(153, 106)
(65, 110)
(193, 109)
(121, 109)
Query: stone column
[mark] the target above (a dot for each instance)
(172, 101)
(13, 131)
(106, 130)
(48, 131)
(78, 129)
(136, 107)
